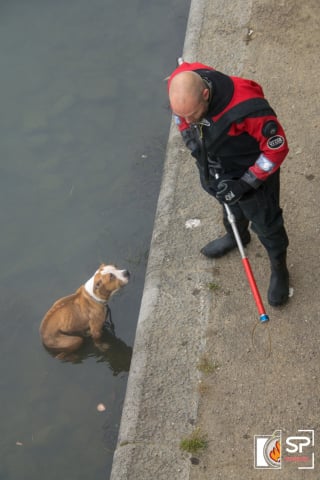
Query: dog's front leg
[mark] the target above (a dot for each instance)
(96, 329)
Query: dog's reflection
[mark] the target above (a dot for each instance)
(117, 354)
(112, 350)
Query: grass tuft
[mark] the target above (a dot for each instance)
(206, 365)
(194, 443)
(213, 286)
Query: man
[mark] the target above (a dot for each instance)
(239, 145)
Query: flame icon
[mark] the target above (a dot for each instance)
(275, 453)
(272, 450)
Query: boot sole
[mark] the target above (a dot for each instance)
(277, 304)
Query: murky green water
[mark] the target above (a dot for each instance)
(83, 131)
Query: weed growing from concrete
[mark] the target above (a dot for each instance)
(206, 365)
(194, 443)
(213, 286)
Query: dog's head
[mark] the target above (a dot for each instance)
(107, 280)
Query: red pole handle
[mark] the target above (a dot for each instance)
(254, 289)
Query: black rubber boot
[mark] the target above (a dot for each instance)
(219, 247)
(278, 292)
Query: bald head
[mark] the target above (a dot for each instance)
(188, 96)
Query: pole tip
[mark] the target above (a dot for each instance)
(264, 318)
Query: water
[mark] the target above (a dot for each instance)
(83, 130)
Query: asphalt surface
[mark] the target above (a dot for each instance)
(262, 377)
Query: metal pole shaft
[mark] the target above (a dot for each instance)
(246, 264)
(232, 222)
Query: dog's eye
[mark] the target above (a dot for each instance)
(112, 277)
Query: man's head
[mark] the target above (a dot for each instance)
(189, 96)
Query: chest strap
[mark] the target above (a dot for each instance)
(220, 127)
(236, 113)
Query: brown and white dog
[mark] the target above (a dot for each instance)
(82, 314)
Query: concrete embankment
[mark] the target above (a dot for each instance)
(161, 402)
(266, 377)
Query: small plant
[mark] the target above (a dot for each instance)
(124, 443)
(213, 286)
(206, 365)
(195, 442)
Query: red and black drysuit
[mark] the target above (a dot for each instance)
(240, 137)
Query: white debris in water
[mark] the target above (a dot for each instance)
(291, 292)
(193, 223)
(101, 407)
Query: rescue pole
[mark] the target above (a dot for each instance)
(246, 265)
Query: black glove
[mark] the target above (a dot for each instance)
(230, 191)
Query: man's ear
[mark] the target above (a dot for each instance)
(206, 94)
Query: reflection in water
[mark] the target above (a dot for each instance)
(118, 354)
(115, 352)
